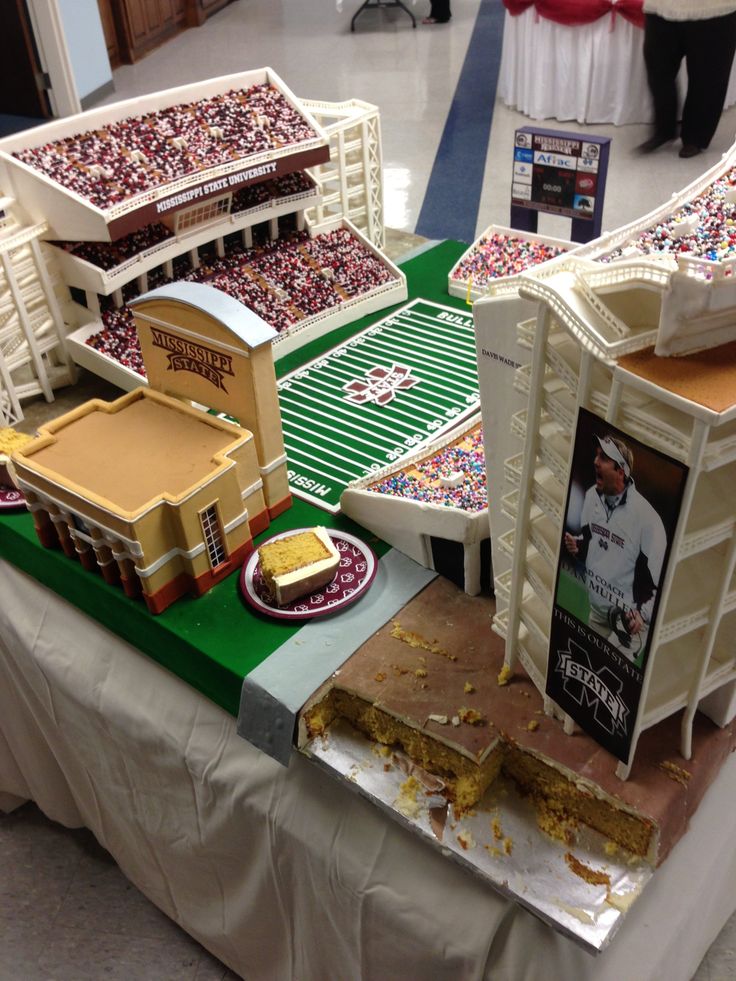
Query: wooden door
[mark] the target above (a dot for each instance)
(22, 91)
(109, 29)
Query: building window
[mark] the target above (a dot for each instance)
(200, 214)
(213, 536)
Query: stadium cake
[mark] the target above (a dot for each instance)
(145, 210)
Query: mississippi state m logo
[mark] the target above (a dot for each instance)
(599, 690)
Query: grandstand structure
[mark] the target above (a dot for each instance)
(107, 205)
(350, 182)
(33, 358)
(592, 347)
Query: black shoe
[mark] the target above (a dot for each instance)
(689, 150)
(653, 143)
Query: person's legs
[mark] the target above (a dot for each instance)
(663, 54)
(439, 12)
(709, 56)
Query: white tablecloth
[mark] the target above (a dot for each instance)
(288, 874)
(592, 74)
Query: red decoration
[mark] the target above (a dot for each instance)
(575, 13)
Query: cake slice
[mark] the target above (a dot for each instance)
(296, 565)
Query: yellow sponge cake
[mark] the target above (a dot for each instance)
(296, 565)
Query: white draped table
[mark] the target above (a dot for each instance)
(286, 873)
(591, 74)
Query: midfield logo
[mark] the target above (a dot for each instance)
(380, 385)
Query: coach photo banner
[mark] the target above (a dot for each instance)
(623, 503)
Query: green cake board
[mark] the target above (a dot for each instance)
(214, 641)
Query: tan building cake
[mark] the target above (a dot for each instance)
(165, 498)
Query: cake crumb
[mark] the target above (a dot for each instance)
(466, 840)
(406, 803)
(504, 675)
(415, 640)
(508, 845)
(492, 850)
(421, 672)
(496, 829)
(579, 914)
(470, 716)
(468, 688)
(675, 772)
(532, 725)
(592, 876)
(11, 439)
(379, 749)
(380, 676)
(622, 901)
(610, 848)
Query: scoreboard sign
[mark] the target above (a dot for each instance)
(559, 173)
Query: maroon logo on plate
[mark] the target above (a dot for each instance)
(11, 498)
(354, 575)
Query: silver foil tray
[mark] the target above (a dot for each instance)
(499, 841)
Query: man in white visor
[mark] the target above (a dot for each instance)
(622, 546)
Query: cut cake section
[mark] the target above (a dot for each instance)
(296, 565)
(439, 699)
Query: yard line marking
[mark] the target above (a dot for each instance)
(320, 446)
(415, 397)
(427, 358)
(381, 409)
(377, 425)
(359, 439)
(436, 379)
(328, 463)
(466, 352)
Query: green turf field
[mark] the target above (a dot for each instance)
(376, 397)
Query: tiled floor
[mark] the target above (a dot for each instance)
(66, 912)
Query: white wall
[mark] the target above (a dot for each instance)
(85, 42)
(71, 46)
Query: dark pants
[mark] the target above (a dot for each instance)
(708, 48)
(440, 10)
